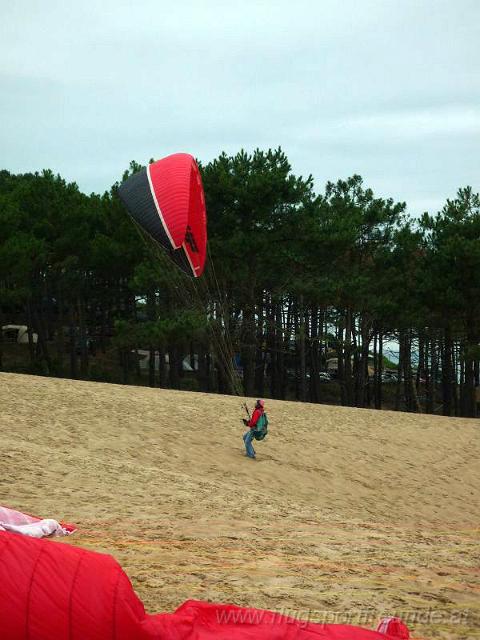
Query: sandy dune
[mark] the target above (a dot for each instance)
(347, 514)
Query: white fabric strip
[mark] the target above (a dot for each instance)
(194, 269)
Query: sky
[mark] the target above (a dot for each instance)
(388, 89)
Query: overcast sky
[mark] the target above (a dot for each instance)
(389, 89)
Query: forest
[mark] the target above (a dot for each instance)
(302, 294)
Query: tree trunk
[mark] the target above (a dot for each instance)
(31, 344)
(272, 349)
(340, 359)
(314, 357)
(202, 367)
(1, 340)
(259, 353)
(411, 398)
(434, 371)
(447, 372)
(379, 372)
(302, 390)
(248, 348)
(286, 321)
(470, 405)
(174, 366)
(428, 375)
(162, 369)
(73, 342)
(398, 389)
(151, 366)
(348, 380)
(39, 328)
(125, 363)
(60, 333)
(151, 315)
(103, 329)
(362, 386)
(83, 339)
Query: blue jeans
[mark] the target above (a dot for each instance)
(247, 438)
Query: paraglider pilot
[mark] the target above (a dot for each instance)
(252, 423)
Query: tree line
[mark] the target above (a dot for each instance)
(297, 283)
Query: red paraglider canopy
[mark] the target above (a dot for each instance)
(50, 590)
(167, 200)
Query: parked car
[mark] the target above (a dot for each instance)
(17, 334)
(324, 376)
(389, 378)
(143, 356)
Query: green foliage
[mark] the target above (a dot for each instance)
(280, 258)
(252, 203)
(453, 258)
(179, 329)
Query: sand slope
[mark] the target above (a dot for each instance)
(347, 514)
